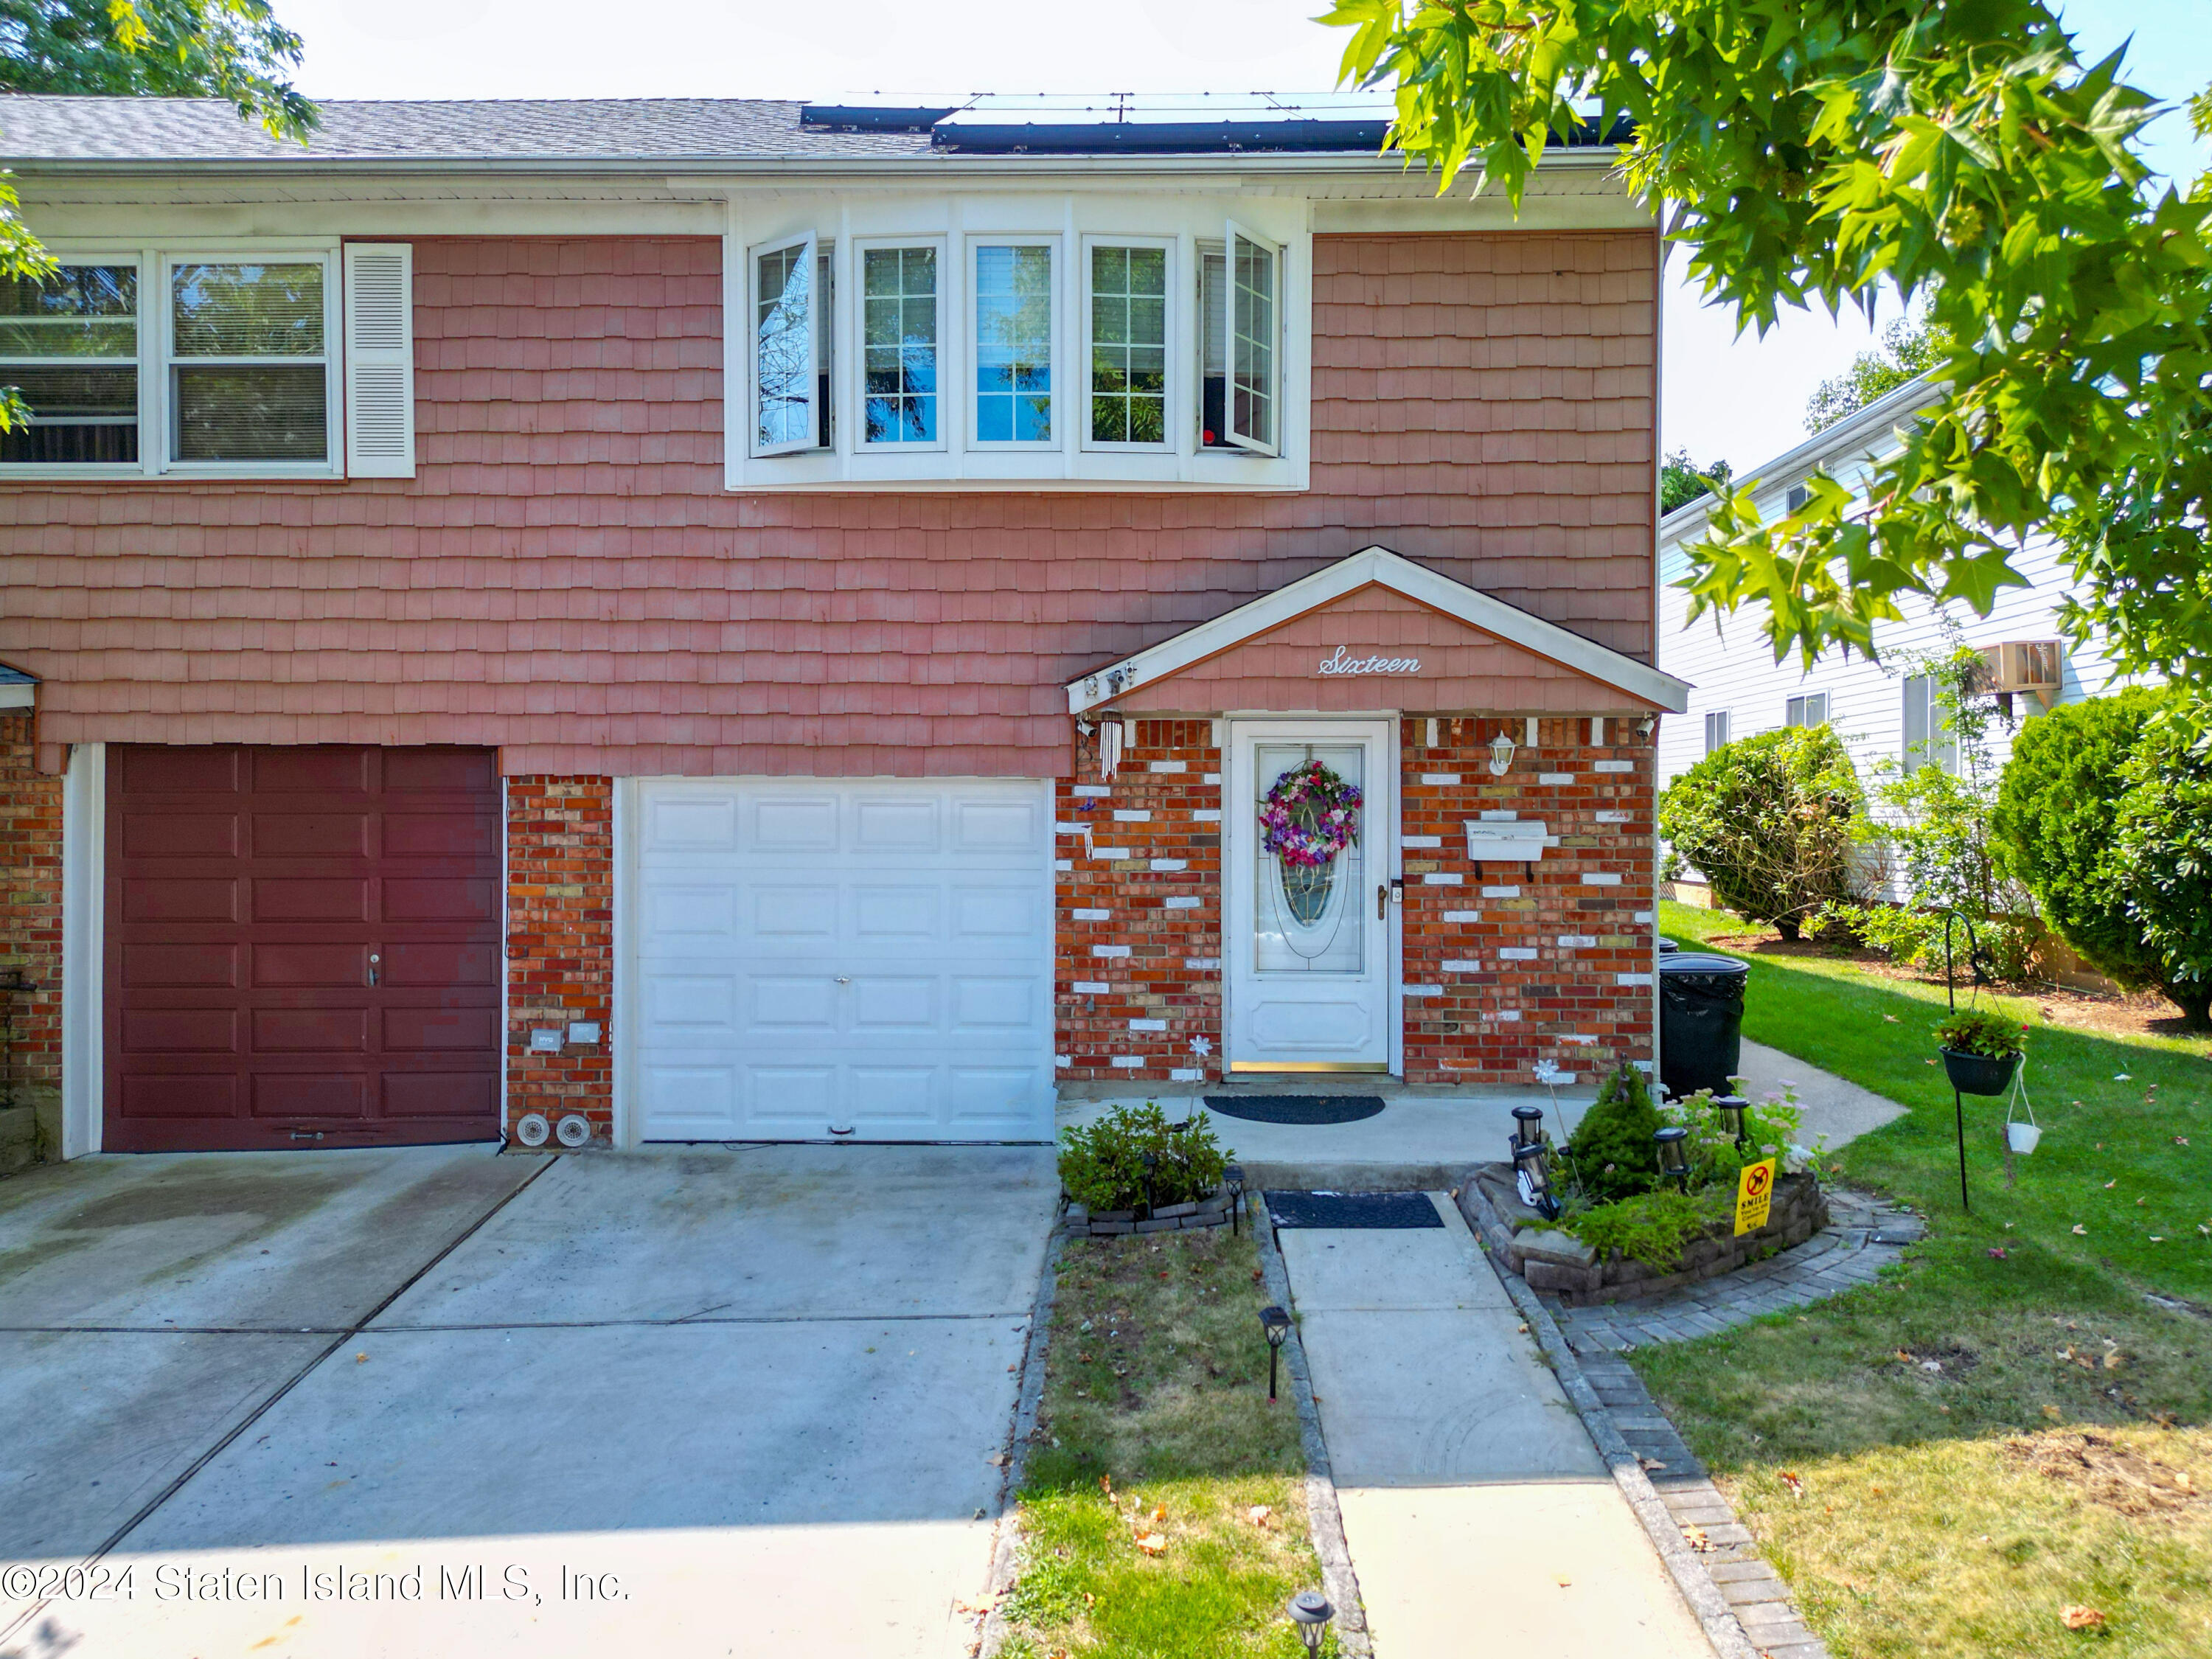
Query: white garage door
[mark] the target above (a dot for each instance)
(862, 961)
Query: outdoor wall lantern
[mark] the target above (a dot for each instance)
(1730, 1109)
(1232, 1180)
(1532, 1168)
(1501, 754)
(1311, 1612)
(1673, 1158)
(1275, 1324)
(1528, 1125)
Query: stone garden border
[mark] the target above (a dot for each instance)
(1210, 1211)
(1559, 1265)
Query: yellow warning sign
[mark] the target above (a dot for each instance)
(1754, 1196)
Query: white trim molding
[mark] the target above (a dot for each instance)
(1380, 567)
(84, 890)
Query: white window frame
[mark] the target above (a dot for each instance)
(971, 344)
(1171, 388)
(1804, 701)
(817, 327)
(949, 371)
(1939, 744)
(333, 361)
(1233, 234)
(148, 408)
(1717, 719)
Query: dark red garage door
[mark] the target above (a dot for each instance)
(303, 947)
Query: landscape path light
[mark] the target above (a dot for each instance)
(1532, 1168)
(1528, 1126)
(1232, 1178)
(1275, 1325)
(1730, 1109)
(1151, 1170)
(1674, 1160)
(1311, 1612)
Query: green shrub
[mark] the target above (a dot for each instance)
(1612, 1151)
(1768, 819)
(1651, 1227)
(2162, 854)
(1769, 1129)
(2058, 819)
(1980, 1031)
(1101, 1164)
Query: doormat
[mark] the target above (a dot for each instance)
(1296, 1108)
(1371, 1210)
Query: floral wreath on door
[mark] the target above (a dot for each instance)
(1309, 816)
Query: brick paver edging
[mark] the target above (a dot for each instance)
(1742, 1602)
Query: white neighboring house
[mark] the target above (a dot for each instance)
(1879, 709)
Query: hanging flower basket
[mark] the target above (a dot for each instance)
(1307, 819)
(1978, 1074)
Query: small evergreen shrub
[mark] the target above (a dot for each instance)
(1612, 1150)
(1979, 1031)
(1101, 1164)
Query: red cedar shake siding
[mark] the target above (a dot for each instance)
(567, 577)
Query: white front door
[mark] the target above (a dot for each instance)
(820, 959)
(1307, 939)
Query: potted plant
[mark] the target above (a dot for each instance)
(1981, 1050)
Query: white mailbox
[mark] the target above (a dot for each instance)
(1505, 841)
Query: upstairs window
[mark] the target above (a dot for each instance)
(900, 327)
(1240, 344)
(1129, 319)
(1810, 710)
(249, 362)
(1013, 344)
(1929, 738)
(791, 405)
(68, 343)
(1717, 730)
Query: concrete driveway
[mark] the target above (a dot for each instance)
(438, 1400)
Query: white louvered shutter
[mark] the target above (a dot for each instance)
(379, 320)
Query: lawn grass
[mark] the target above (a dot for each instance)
(1945, 1499)
(1155, 1427)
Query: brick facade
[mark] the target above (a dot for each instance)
(1139, 909)
(1139, 981)
(1581, 996)
(560, 945)
(30, 924)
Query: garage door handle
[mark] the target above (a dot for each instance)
(844, 979)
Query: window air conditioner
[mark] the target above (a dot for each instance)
(2030, 666)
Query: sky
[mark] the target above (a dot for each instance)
(1722, 397)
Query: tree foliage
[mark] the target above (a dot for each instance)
(2057, 816)
(1768, 819)
(1682, 480)
(1908, 349)
(1812, 151)
(233, 49)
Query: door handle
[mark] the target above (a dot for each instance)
(1382, 902)
(374, 958)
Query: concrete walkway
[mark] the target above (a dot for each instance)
(1478, 1512)
(1840, 1111)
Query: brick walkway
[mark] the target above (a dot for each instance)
(1862, 1237)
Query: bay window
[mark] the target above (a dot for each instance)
(69, 344)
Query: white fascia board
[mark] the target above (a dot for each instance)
(1379, 566)
(16, 695)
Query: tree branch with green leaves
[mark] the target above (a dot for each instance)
(1811, 152)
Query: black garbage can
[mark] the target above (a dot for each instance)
(1667, 946)
(1700, 1021)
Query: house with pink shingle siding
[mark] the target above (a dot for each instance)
(715, 620)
